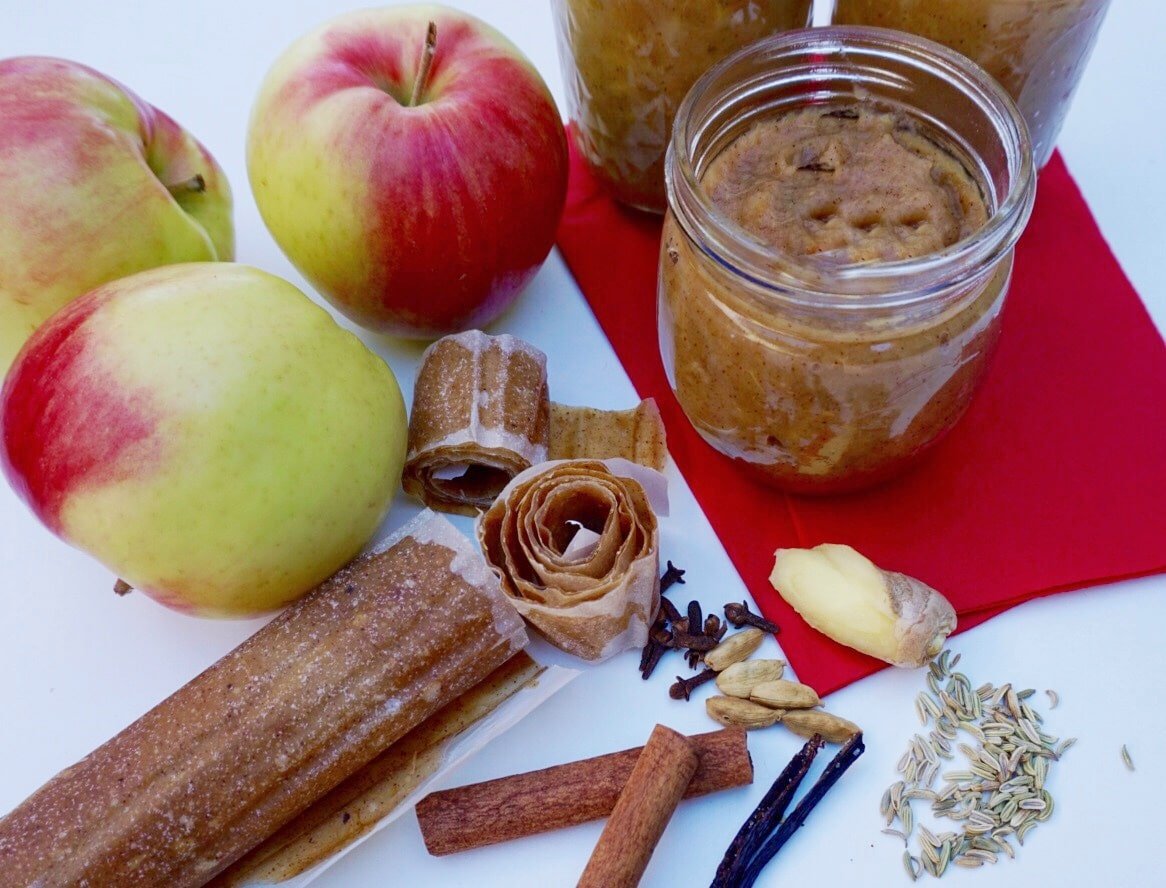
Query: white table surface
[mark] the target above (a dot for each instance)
(77, 664)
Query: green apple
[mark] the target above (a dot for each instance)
(95, 184)
(207, 432)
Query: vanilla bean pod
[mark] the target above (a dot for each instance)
(847, 756)
(767, 814)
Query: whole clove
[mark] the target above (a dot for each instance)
(714, 627)
(668, 609)
(671, 576)
(740, 615)
(683, 687)
(693, 643)
(695, 617)
(650, 659)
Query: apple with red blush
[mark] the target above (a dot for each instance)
(95, 184)
(412, 164)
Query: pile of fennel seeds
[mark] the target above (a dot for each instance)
(1000, 793)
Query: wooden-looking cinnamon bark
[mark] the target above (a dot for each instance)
(654, 789)
(565, 795)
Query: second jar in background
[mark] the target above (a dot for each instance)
(627, 65)
(1037, 49)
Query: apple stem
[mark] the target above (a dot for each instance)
(196, 184)
(427, 54)
(121, 587)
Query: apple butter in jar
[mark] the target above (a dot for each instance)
(1037, 49)
(627, 65)
(843, 207)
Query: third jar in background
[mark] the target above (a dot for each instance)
(1037, 49)
(628, 63)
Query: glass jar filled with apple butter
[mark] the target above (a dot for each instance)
(627, 65)
(843, 207)
(1036, 48)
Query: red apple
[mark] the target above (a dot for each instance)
(416, 183)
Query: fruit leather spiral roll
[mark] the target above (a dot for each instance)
(576, 546)
(304, 703)
(481, 414)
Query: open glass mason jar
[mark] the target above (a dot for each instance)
(1036, 48)
(627, 65)
(843, 207)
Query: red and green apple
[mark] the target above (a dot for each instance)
(416, 182)
(207, 432)
(95, 184)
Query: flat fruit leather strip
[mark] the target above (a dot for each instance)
(593, 601)
(589, 433)
(303, 704)
(481, 414)
(358, 804)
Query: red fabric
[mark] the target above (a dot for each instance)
(1055, 479)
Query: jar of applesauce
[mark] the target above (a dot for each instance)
(1036, 48)
(843, 206)
(628, 63)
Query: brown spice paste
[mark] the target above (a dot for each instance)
(1036, 49)
(821, 400)
(627, 66)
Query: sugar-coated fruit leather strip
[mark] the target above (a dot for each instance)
(303, 704)
(357, 805)
(589, 433)
(481, 414)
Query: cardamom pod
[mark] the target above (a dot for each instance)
(734, 649)
(785, 695)
(734, 712)
(808, 722)
(741, 678)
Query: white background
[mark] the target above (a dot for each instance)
(77, 665)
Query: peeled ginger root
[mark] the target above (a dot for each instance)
(846, 597)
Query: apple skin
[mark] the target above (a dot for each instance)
(413, 220)
(84, 170)
(207, 432)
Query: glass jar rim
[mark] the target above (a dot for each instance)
(815, 283)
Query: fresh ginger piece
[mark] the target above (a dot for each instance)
(846, 597)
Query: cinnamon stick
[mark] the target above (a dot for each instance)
(565, 795)
(658, 781)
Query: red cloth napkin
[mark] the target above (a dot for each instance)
(1055, 479)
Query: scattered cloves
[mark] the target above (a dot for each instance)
(651, 658)
(685, 686)
(668, 609)
(714, 628)
(671, 576)
(695, 617)
(740, 615)
(696, 643)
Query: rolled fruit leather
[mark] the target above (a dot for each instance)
(481, 414)
(300, 706)
(576, 544)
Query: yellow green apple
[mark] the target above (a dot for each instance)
(95, 184)
(207, 432)
(411, 163)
